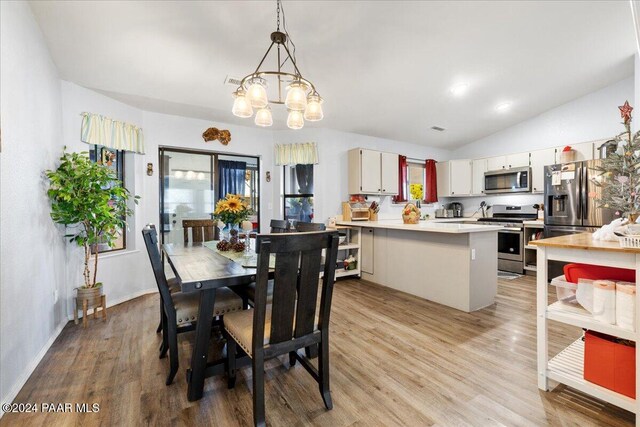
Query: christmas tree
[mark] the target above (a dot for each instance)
(619, 172)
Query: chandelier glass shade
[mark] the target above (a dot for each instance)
(241, 105)
(265, 87)
(263, 117)
(313, 112)
(295, 120)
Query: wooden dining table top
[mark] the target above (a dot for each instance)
(198, 268)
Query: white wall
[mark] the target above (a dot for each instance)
(32, 250)
(589, 118)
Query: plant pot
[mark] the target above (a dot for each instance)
(92, 295)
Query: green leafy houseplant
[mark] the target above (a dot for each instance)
(88, 198)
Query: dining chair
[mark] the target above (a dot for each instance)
(290, 322)
(202, 230)
(310, 226)
(181, 309)
(174, 286)
(279, 226)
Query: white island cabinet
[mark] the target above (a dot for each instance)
(452, 264)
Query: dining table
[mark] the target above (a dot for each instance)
(199, 268)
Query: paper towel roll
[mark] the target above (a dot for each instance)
(626, 305)
(604, 301)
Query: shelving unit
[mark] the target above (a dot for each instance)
(350, 247)
(567, 367)
(530, 251)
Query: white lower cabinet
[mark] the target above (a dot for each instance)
(366, 250)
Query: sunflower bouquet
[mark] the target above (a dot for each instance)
(232, 209)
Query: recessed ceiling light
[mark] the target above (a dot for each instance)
(459, 89)
(503, 106)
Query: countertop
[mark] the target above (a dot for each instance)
(428, 226)
(583, 241)
(534, 223)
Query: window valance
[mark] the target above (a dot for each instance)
(101, 130)
(305, 153)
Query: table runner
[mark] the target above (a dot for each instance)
(245, 259)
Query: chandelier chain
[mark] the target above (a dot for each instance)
(278, 15)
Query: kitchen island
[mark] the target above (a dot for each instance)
(452, 264)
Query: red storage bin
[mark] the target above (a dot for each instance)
(573, 272)
(609, 363)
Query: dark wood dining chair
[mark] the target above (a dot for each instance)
(279, 226)
(202, 230)
(181, 309)
(173, 287)
(310, 226)
(290, 322)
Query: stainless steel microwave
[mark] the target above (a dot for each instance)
(514, 180)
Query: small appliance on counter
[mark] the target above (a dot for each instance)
(444, 213)
(457, 209)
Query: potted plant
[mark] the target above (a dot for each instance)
(89, 200)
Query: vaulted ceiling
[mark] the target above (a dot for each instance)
(385, 68)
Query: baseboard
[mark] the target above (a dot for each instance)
(31, 367)
(111, 303)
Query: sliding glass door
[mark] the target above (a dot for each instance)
(191, 182)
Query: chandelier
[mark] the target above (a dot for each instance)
(302, 99)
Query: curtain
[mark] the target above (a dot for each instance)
(305, 153)
(231, 179)
(101, 130)
(402, 180)
(304, 176)
(431, 192)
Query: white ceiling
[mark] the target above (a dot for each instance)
(384, 68)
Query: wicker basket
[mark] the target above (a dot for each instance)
(630, 241)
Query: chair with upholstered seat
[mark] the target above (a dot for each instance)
(290, 323)
(181, 309)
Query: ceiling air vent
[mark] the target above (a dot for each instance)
(438, 128)
(233, 81)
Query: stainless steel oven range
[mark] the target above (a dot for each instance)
(511, 237)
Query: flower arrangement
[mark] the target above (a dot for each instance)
(232, 209)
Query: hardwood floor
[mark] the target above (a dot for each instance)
(395, 360)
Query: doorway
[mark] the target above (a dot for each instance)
(192, 181)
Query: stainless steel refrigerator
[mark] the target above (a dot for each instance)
(570, 202)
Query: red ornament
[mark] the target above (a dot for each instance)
(625, 112)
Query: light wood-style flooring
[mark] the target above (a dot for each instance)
(395, 360)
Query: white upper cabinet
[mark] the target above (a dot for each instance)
(479, 167)
(496, 163)
(506, 162)
(460, 177)
(372, 172)
(540, 159)
(442, 178)
(454, 178)
(584, 151)
(389, 173)
(517, 160)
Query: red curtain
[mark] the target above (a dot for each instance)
(402, 180)
(431, 192)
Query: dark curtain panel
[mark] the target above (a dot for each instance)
(403, 180)
(231, 177)
(304, 176)
(431, 192)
